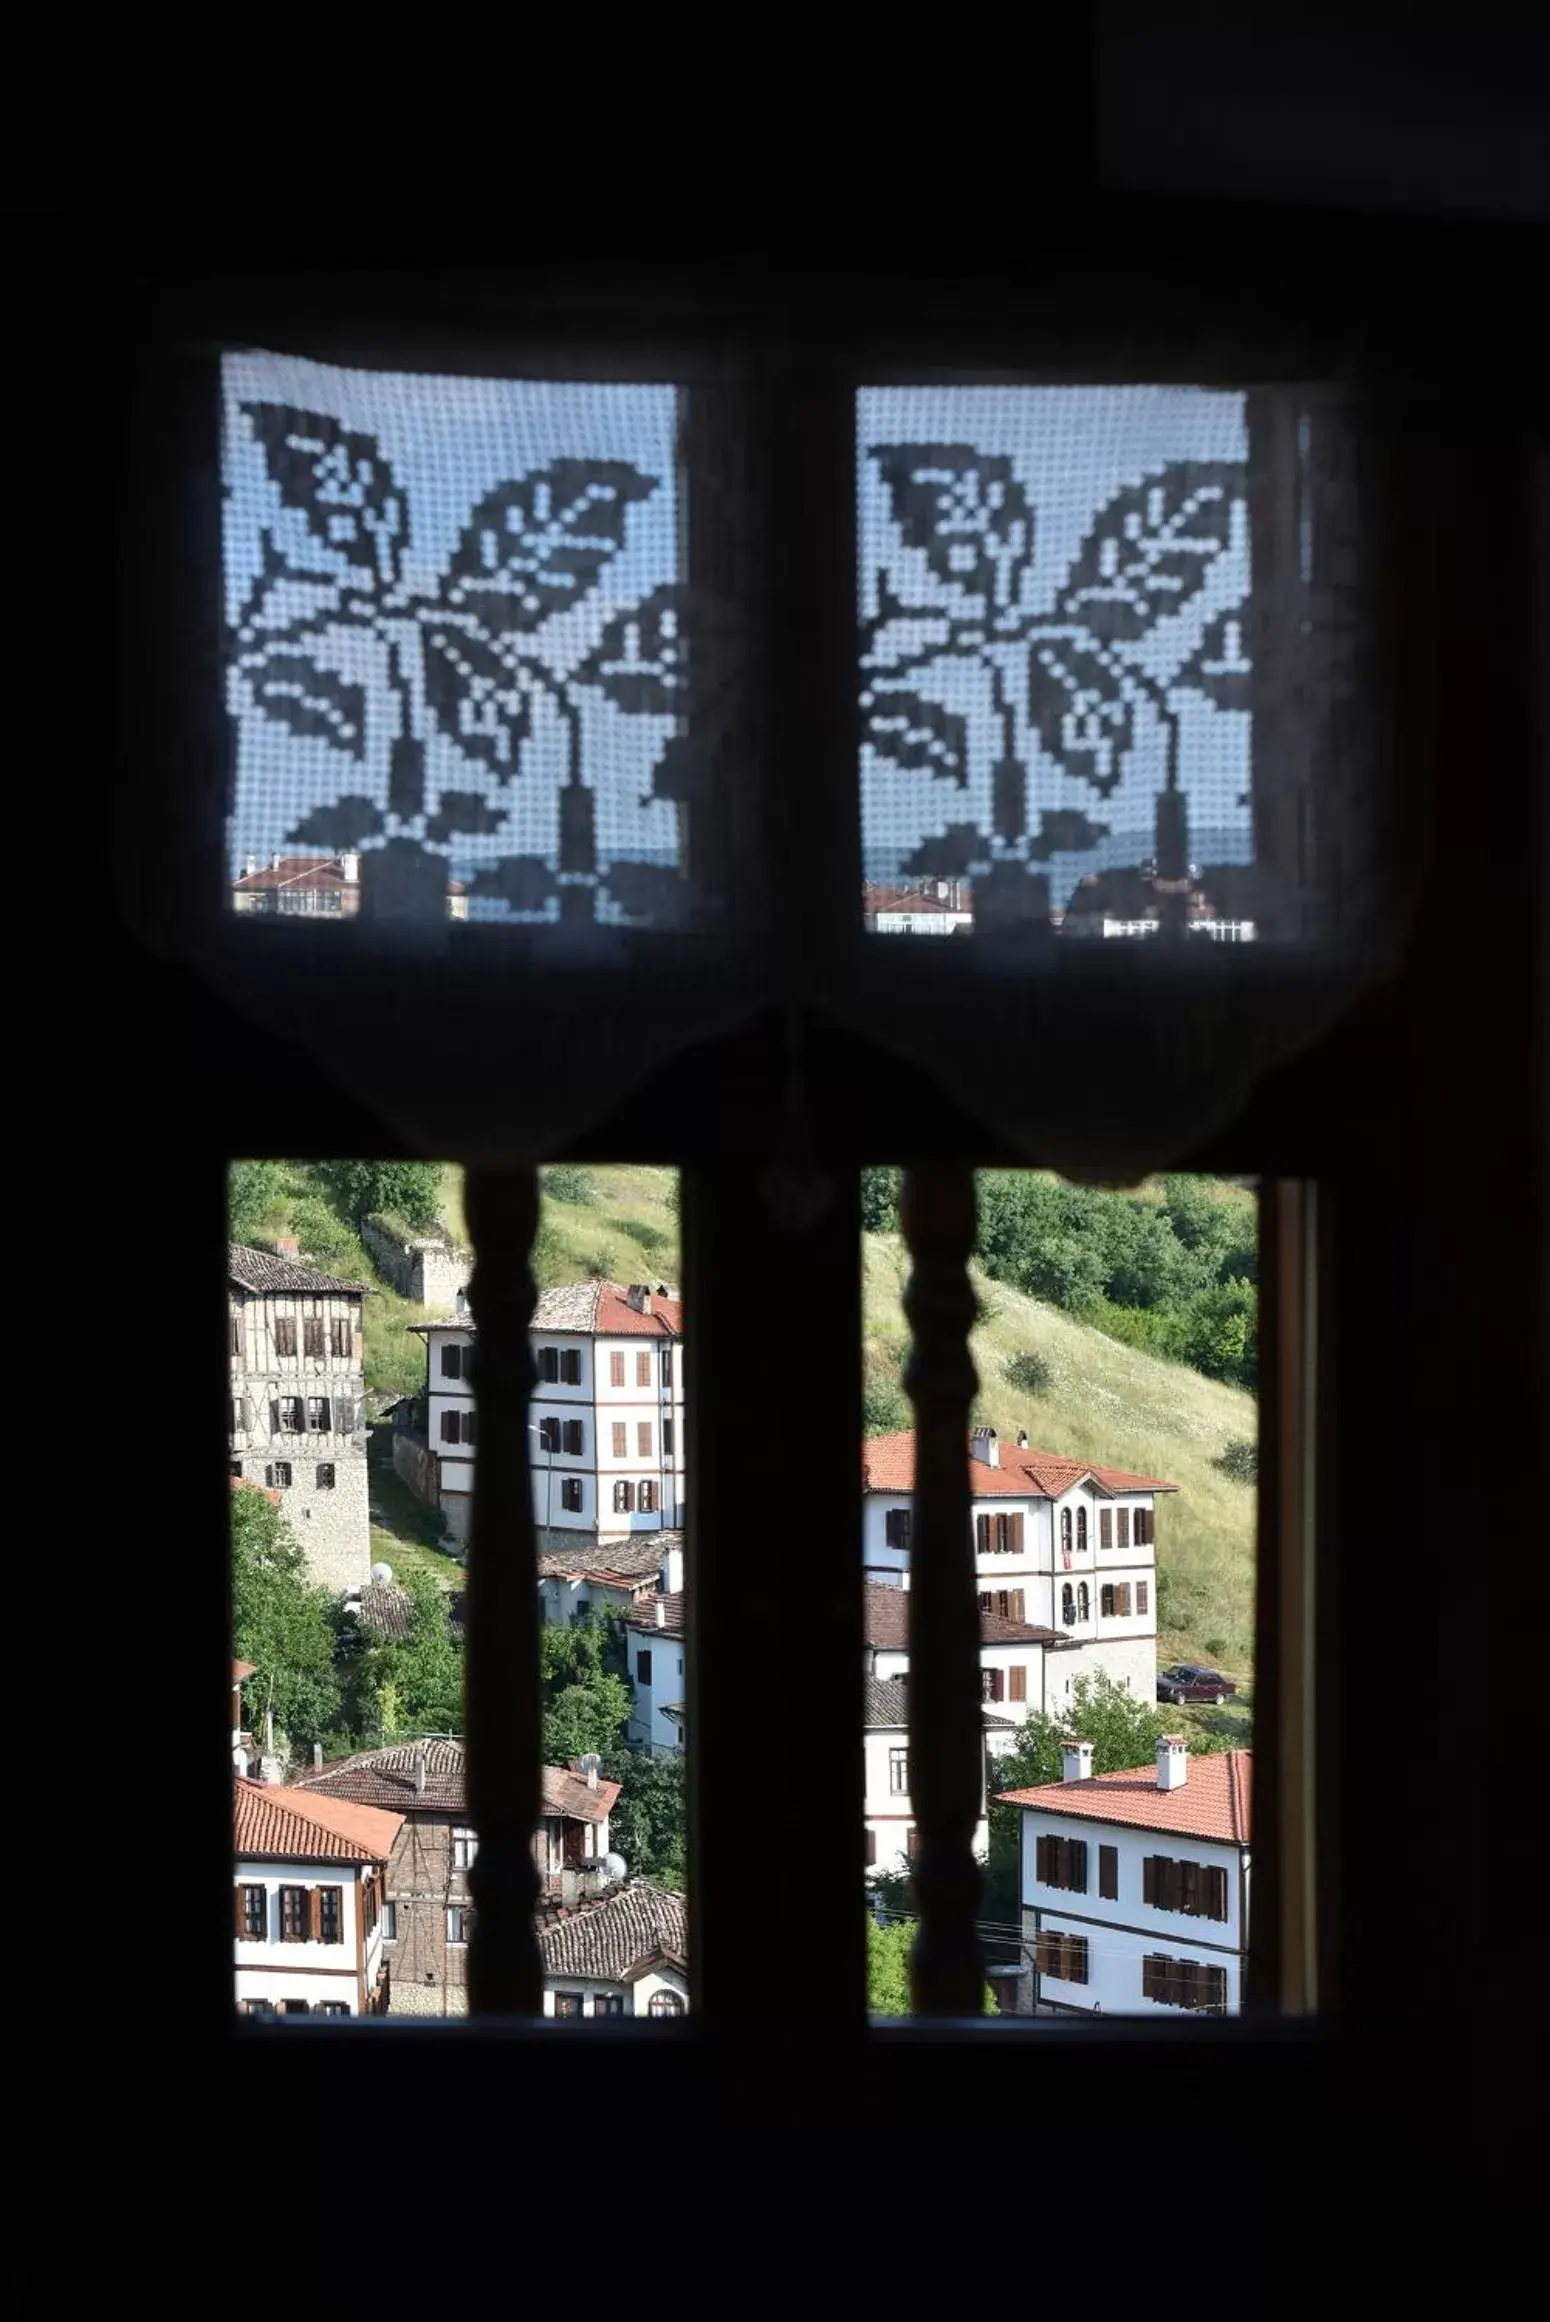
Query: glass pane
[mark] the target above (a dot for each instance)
(1055, 663)
(353, 1360)
(1113, 1462)
(455, 665)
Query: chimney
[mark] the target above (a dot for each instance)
(287, 1246)
(570, 1889)
(638, 1295)
(350, 865)
(1022, 1438)
(249, 865)
(591, 1769)
(1076, 1759)
(275, 861)
(419, 1773)
(984, 1444)
(659, 1612)
(317, 1755)
(672, 1573)
(1172, 1761)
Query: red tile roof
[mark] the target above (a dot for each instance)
(241, 1669)
(309, 871)
(274, 1823)
(886, 1614)
(888, 1465)
(1213, 1803)
(590, 1310)
(386, 1777)
(645, 1619)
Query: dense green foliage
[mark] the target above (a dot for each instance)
(880, 1200)
(394, 1689)
(254, 1190)
(1029, 1372)
(649, 1825)
(1175, 1276)
(586, 1692)
(282, 1624)
(1240, 1460)
(563, 1181)
(888, 1968)
(410, 1190)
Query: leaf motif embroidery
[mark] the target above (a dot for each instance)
(463, 814)
(536, 547)
(343, 823)
(475, 695)
(1151, 548)
(917, 734)
(525, 882)
(640, 661)
(1220, 668)
(311, 700)
(340, 482)
(967, 511)
(1081, 705)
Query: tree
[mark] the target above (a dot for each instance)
(649, 1824)
(413, 1684)
(281, 1623)
(1124, 1732)
(407, 1189)
(880, 1200)
(255, 1190)
(888, 1968)
(586, 1693)
(1221, 1335)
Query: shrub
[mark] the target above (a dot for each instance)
(885, 1407)
(1240, 1460)
(410, 1190)
(1216, 1647)
(880, 1200)
(603, 1265)
(323, 1239)
(255, 1192)
(651, 1238)
(564, 1181)
(1030, 1372)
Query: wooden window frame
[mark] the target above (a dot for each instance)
(284, 1337)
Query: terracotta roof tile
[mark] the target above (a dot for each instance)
(672, 1622)
(614, 1940)
(271, 1822)
(622, 1563)
(886, 1614)
(261, 1272)
(888, 1465)
(1214, 1802)
(589, 1310)
(242, 1669)
(386, 1777)
(387, 1611)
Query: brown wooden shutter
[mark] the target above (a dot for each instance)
(241, 1896)
(1124, 1527)
(1122, 1597)
(982, 1534)
(1078, 1878)
(1216, 1893)
(1017, 1535)
(1149, 1880)
(984, 1600)
(1019, 1686)
(1105, 1527)
(1108, 1873)
(315, 1913)
(1044, 1856)
(871, 1848)
(616, 1370)
(1019, 1603)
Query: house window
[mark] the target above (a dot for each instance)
(621, 1439)
(284, 1335)
(1122, 1599)
(451, 1432)
(1108, 1873)
(667, 1439)
(616, 1370)
(643, 1668)
(1106, 1600)
(331, 2008)
(664, 2003)
(325, 1475)
(1067, 1605)
(368, 1894)
(570, 1366)
(871, 1847)
(549, 1362)
(293, 1914)
(1081, 1531)
(1017, 1683)
(646, 1499)
(317, 1414)
(1144, 1532)
(1123, 1520)
(1084, 1602)
(252, 1914)
(390, 1922)
(1062, 1956)
(992, 1684)
(289, 1410)
(567, 2003)
(1197, 1889)
(899, 1773)
(643, 1438)
(608, 2003)
(460, 1923)
(340, 1337)
(312, 1337)
(236, 1334)
(667, 1366)
(896, 1528)
(570, 1494)
(278, 1477)
(1015, 1610)
(624, 1498)
(1105, 1527)
(330, 1914)
(465, 1845)
(643, 1370)
(235, 1467)
(1184, 1983)
(451, 1361)
(1143, 1596)
(549, 1435)
(1065, 1531)
(295, 2008)
(572, 1439)
(235, 1424)
(1062, 1862)
(911, 1843)
(463, 1424)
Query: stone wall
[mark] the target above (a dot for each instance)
(416, 1463)
(428, 1270)
(332, 1526)
(428, 1977)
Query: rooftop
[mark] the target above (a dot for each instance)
(273, 1823)
(622, 1563)
(306, 872)
(590, 1310)
(885, 1703)
(387, 1610)
(886, 1614)
(1213, 1803)
(386, 1777)
(619, 1938)
(645, 1619)
(262, 1272)
(888, 1465)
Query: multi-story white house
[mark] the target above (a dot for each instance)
(308, 1880)
(606, 1418)
(655, 1636)
(1070, 1546)
(890, 1817)
(613, 1576)
(1135, 1886)
(1013, 1654)
(625, 1956)
(296, 1420)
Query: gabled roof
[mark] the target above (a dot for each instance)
(387, 1611)
(241, 1670)
(262, 1272)
(619, 1938)
(273, 1823)
(672, 1623)
(885, 1704)
(888, 1465)
(1215, 1802)
(886, 1614)
(386, 1777)
(617, 1563)
(589, 1310)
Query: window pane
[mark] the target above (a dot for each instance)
(1116, 1354)
(456, 669)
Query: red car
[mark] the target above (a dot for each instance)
(1187, 1681)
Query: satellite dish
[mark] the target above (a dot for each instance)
(382, 1574)
(616, 1866)
(591, 1763)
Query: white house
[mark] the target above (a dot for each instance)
(308, 1889)
(890, 1817)
(625, 1956)
(930, 907)
(1135, 1886)
(296, 1418)
(1072, 1546)
(1013, 1654)
(655, 1636)
(606, 1418)
(615, 1576)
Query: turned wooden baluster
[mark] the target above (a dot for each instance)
(946, 1732)
(501, 1711)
